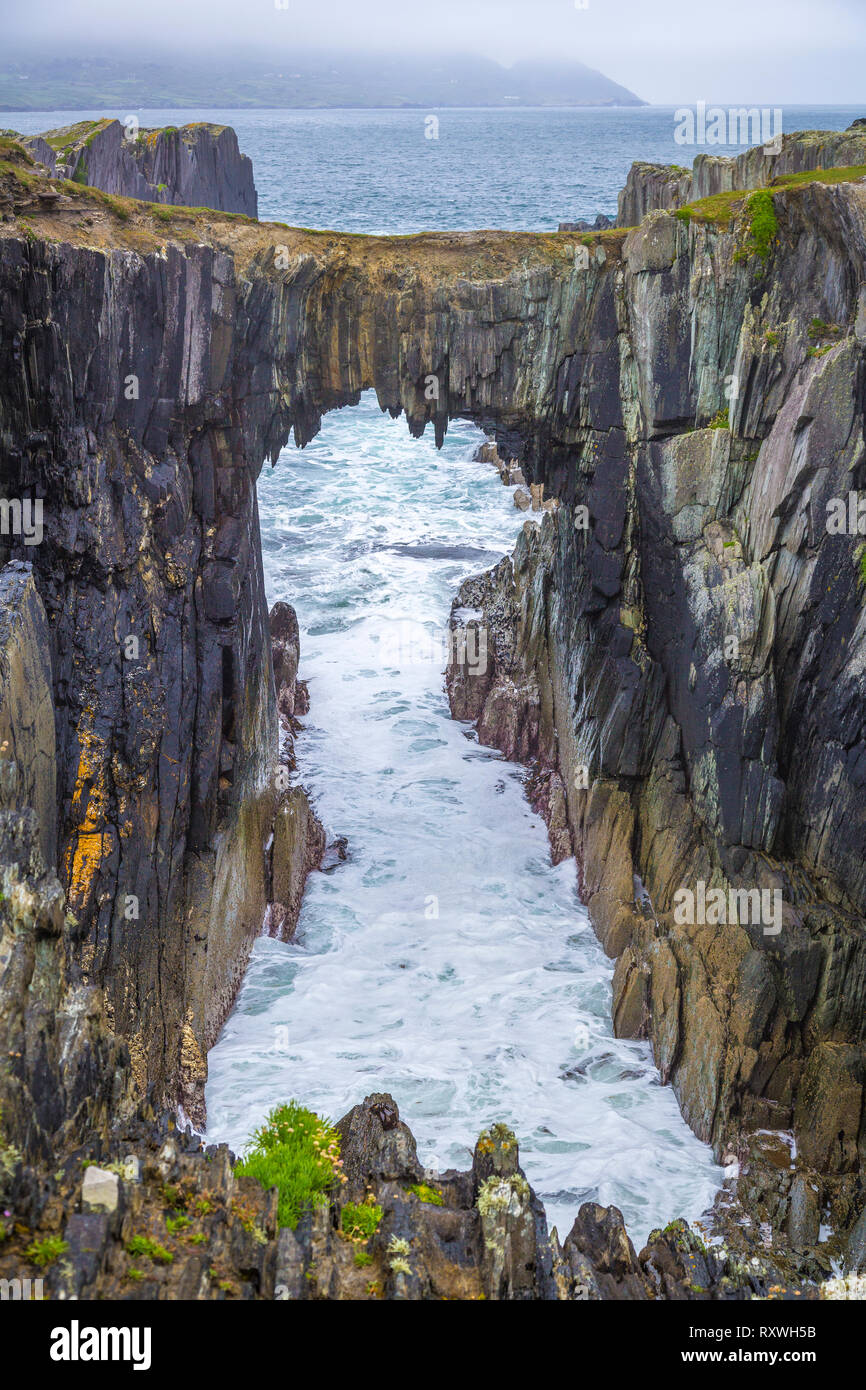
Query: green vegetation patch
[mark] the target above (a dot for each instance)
(360, 1220)
(298, 1153)
(145, 1245)
(427, 1194)
(763, 225)
(849, 173)
(45, 1252)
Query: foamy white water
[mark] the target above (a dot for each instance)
(446, 961)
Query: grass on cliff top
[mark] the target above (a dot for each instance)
(64, 137)
(297, 1152)
(721, 208)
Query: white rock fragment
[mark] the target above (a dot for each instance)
(100, 1190)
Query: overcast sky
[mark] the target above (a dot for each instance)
(667, 51)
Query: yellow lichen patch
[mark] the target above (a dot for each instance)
(83, 859)
(89, 842)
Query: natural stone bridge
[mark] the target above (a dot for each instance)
(701, 395)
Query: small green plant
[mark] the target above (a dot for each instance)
(684, 215)
(297, 1152)
(45, 1252)
(198, 1239)
(763, 226)
(818, 329)
(720, 420)
(362, 1259)
(204, 1205)
(134, 1274)
(427, 1194)
(360, 1221)
(771, 337)
(145, 1245)
(173, 1224)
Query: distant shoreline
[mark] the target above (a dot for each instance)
(405, 106)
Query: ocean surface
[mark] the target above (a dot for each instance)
(446, 961)
(375, 171)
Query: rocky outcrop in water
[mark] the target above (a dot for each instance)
(197, 165)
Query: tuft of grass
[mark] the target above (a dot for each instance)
(763, 225)
(45, 1252)
(360, 1220)
(145, 1245)
(173, 1224)
(427, 1194)
(362, 1259)
(720, 420)
(297, 1152)
(818, 329)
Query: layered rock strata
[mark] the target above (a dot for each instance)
(680, 642)
(197, 165)
(665, 187)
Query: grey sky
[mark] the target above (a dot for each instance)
(677, 51)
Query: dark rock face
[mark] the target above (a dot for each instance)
(663, 629)
(601, 223)
(27, 738)
(196, 165)
(143, 380)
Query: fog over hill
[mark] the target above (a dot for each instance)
(34, 80)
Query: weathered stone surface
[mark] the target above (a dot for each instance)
(654, 187)
(27, 738)
(100, 1190)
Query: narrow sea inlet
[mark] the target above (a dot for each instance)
(446, 961)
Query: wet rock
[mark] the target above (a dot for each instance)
(608, 1258)
(374, 1143)
(286, 653)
